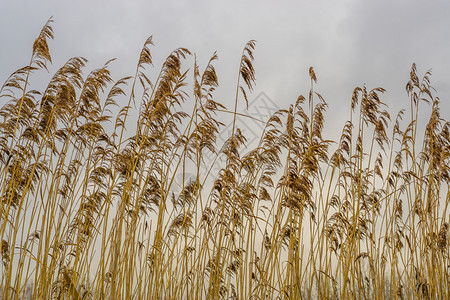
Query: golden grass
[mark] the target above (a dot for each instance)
(90, 212)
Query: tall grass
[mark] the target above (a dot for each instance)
(89, 209)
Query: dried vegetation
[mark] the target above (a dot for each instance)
(88, 208)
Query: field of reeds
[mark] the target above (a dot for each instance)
(90, 207)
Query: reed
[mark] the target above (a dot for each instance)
(90, 208)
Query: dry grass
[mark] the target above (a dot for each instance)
(90, 212)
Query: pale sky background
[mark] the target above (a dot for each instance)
(349, 43)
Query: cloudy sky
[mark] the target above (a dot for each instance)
(349, 43)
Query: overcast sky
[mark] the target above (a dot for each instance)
(349, 43)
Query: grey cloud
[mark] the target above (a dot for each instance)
(349, 43)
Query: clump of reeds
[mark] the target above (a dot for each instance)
(90, 209)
